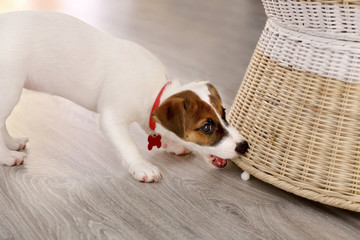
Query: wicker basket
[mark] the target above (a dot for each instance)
(299, 109)
(337, 19)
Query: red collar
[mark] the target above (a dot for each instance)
(152, 123)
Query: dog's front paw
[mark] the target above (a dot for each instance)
(16, 144)
(177, 149)
(12, 158)
(145, 172)
(183, 152)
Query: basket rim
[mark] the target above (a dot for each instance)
(305, 193)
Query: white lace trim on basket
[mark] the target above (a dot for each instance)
(326, 57)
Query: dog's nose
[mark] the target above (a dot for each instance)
(242, 147)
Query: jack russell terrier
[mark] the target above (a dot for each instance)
(122, 81)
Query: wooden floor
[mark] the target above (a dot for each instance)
(72, 185)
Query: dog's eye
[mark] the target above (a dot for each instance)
(207, 128)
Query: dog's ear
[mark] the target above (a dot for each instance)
(171, 115)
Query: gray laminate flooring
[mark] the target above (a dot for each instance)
(73, 186)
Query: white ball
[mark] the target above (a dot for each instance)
(245, 176)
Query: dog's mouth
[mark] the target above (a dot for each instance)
(218, 162)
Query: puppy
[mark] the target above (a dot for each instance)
(123, 82)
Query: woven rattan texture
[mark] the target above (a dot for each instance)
(303, 131)
(331, 19)
(343, 2)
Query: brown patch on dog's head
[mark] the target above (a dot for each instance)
(215, 100)
(190, 118)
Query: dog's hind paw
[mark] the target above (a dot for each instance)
(145, 172)
(16, 144)
(13, 158)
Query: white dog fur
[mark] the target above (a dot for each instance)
(61, 55)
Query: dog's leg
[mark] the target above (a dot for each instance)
(8, 157)
(9, 95)
(117, 131)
